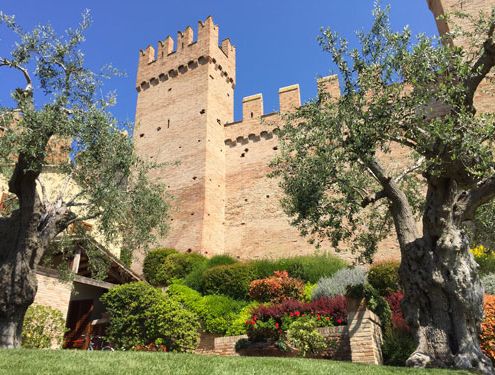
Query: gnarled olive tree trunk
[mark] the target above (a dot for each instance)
(24, 236)
(443, 300)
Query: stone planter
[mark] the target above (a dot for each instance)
(355, 304)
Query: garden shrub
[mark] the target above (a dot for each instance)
(488, 282)
(311, 267)
(397, 346)
(141, 315)
(178, 266)
(153, 261)
(338, 283)
(397, 319)
(238, 324)
(264, 268)
(194, 278)
(487, 336)
(303, 334)
(43, 328)
(485, 257)
(231, 280)
(219, 313)
(384, 277)
(277, 288)
(374, 301)
(308, 291)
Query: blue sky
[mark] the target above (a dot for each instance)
(275, 40)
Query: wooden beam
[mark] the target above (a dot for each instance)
(76, 261)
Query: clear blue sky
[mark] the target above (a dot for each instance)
(275, 40)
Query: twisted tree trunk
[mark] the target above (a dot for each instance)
(443, 300)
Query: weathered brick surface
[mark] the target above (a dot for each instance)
(53, 293)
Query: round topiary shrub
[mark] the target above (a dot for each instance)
(178, 266)
(194, 278)
(141, 315)
(338, 283)
(384, 277)
(43, 328)
(153, 261)
(231, 280)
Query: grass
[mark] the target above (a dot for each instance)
(60, 362)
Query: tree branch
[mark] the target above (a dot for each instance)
(372, 198)
(43, 190)
(11, 64)
(468, 202)
(481, 68)
(412, 168)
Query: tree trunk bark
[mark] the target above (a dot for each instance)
(443, 299)
(11, 328)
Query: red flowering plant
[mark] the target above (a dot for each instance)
(151, 347)
(487, 335)
(277, 288)
(271, 322)
(397, 320)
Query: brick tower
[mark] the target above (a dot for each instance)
(185, 96)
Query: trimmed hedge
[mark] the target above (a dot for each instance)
(141, 315)
(194, 279)
(178, 266)
(231, 280)
(153, 261)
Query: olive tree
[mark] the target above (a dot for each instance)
(61, 122)
(403, 98)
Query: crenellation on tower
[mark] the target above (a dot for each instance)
(330, 85)
(184, 39)
(252, 107)
(289, 98)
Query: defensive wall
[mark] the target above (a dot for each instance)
(225, 203)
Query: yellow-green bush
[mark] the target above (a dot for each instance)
(43, 328)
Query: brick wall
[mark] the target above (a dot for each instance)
(53, 293)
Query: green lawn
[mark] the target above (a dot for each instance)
(60, 362)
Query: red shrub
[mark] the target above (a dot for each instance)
(277, 288)
(487, 336)
(398, 320)
(329, 307)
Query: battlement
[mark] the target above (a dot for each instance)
(158, 65)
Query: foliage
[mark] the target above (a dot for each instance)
(231, 280)
(374, 301)
(194, 278)
(43, 328)
(238, 324)
(153, 261)
(487, 335)
(218, 314)
(277, 288)
(62, 109)
(151, 347)
(271, 321)
(308, 291)
(178, 266)
(485, 258)
(305, 337)
(397, 319)
(488, 282)
(141, 315)
(241, 344)
(397, 346)
(338, 283)
(384, 277)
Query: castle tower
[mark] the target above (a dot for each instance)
(185, 96)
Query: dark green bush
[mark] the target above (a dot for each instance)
(397, 346)
(194, 281)
(153, 261)
(141, 314)
(178, 266)
(384, 277)
(231, 280)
